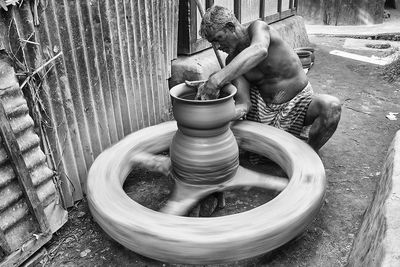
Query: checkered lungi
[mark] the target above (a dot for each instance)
(288, 116)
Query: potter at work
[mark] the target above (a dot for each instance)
(212, 133)
(272, 86)
(203, 159)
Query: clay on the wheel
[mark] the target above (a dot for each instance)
(178, 239)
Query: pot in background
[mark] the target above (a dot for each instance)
(309, 49)
(305, 58)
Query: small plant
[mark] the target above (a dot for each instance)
(391, 72)
(379, 46)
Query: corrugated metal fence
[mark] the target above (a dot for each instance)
(30, 206)
(107, 77)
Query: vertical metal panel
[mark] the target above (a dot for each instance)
(198, 17)
(145, 59)
(271, 7)
(17, 223)
(285, 5)
(226, 3)
(64, 107)
(250, 10)
(111, 79)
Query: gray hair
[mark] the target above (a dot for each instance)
(215, 19)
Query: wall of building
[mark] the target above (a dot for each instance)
(342, 12)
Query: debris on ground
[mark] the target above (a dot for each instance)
(392, 116)
(85, 253)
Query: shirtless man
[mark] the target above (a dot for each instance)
(264, 67)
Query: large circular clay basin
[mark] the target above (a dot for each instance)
(178, 239)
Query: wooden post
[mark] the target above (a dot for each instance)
(21, 171)
(262, 9)
(209, 3)
(280, 9)
(201, 10)
(238, 8)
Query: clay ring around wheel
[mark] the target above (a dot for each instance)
(178, 239)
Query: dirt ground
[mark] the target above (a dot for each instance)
(353, 159)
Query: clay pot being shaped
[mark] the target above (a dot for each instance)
(203, 150)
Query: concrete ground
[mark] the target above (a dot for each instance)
(353, 160)
(389, 26)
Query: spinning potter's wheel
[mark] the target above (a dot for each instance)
(203, 147)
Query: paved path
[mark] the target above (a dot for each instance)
(389, 26)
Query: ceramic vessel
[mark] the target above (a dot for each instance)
(309, 49)
(204, 149)
(305, 58)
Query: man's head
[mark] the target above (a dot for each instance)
(218, 26)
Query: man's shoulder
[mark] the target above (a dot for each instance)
(257, 28)
(257, 24)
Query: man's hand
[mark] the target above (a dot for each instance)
(206, 89)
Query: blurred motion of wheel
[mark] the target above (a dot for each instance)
(178, 239)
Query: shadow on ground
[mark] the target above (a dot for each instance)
(353, 159)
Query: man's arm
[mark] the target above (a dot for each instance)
(249, 58)
(242, 97)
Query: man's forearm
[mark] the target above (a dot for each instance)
(242, 63)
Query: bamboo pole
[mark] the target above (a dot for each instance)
(201, 10)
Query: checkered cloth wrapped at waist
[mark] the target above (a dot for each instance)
(288, 116)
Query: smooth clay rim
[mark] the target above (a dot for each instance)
(182, 88)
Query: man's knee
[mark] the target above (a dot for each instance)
(332, 111)
(327, 115)
(325, 109)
